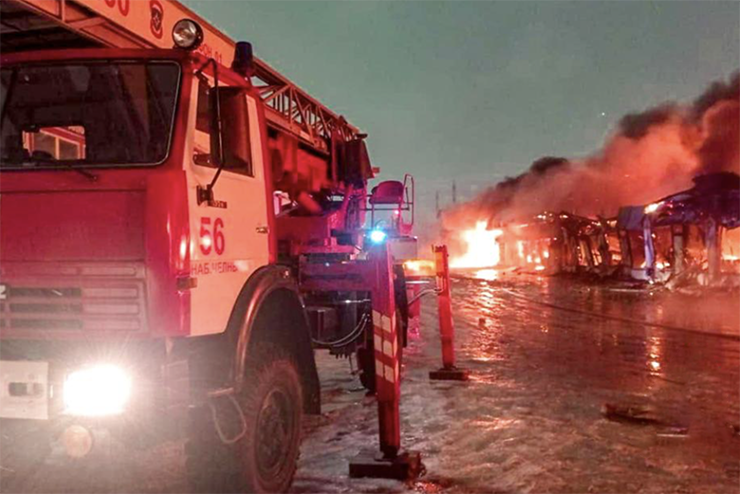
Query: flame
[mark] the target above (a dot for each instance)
(483, 249)
(651, 208)
(419, 267)
(487, 274)
(731, 245)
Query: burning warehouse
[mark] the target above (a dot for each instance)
(561, 242)
(689, 233)
(650, 154)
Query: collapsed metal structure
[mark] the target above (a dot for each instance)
(560, 243)
(689, 234)
(705, 214)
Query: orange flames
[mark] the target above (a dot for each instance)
(419, 267)
(482, 248)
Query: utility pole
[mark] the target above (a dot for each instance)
(454, 192)
(439, 211)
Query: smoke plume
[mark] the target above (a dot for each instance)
(650, 155)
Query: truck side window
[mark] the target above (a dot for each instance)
(202, 144)
(202, 121)
(236, 127)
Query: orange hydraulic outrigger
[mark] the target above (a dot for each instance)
(376, 274)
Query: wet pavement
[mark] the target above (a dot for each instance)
(547, 356)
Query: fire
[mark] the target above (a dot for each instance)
(419, 267)
(731, 245)
(482, 248)
(487, 274)
(651, 208)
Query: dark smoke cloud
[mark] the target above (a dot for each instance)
(636, 125)
(718, 110)
(650, 154)
(716, 92)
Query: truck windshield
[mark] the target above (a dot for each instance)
(84, 114)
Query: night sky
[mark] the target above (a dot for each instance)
(475, 91)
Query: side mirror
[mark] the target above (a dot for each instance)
(230, 147)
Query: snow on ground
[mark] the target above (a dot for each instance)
(544, 360)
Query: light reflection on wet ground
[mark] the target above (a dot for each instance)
(688, 374)
(550, 371)
(544, 364)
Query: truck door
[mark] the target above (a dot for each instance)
(229, 237)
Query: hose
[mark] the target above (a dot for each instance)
(217, 424)
(346, 340)
(428, 291)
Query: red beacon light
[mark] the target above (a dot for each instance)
(243, 63)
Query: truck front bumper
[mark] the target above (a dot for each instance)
(126, 389)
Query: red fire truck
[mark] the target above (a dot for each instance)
(180, 228)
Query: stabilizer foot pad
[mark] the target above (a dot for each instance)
(370, 463)
(453, 374)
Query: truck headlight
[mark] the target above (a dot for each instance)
(96, 391)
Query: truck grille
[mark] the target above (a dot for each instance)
(87, 304)
(43, 292)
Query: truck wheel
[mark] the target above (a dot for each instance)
(265, 458)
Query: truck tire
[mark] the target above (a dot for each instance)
(264, 460)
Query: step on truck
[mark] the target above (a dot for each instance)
(181, 227)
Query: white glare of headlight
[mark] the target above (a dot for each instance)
(187, 34)
(96, 391)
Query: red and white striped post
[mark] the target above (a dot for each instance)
(446, 327)
(385, 343)
(391, 463)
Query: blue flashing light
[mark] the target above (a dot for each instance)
(378, 236)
